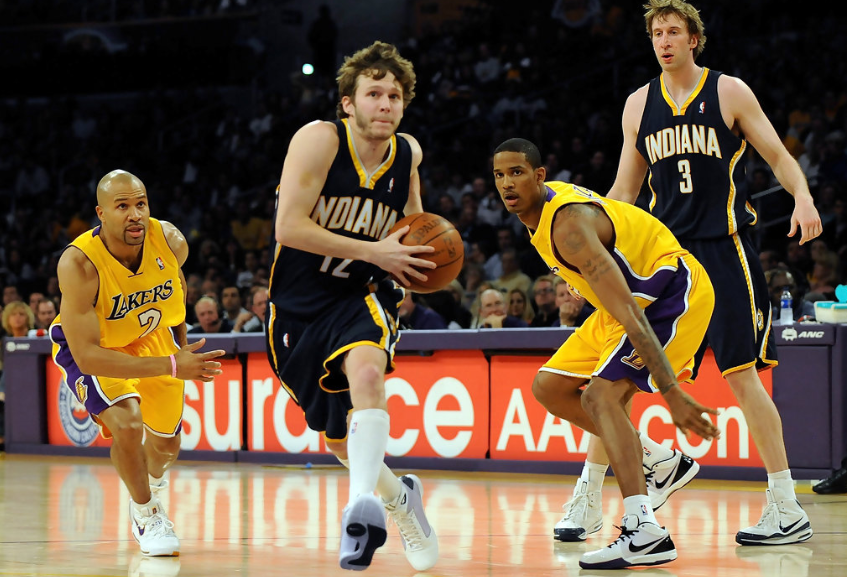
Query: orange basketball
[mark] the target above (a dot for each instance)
(436, 231)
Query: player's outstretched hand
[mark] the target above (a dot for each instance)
(396, 258)
(688, 416)
(197, 366)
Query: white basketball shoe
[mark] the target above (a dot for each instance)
(153, 531)
(362, 532)
(783, 521)
(639, 544)
(407, 511)
(666, 477)
(583, 514)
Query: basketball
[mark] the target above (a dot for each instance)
(435, 231)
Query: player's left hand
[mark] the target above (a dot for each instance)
(687, 414)
(806, 216)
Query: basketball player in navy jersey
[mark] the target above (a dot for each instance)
(333, 309)
(690, 127)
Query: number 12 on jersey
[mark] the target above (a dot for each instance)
(339, 269)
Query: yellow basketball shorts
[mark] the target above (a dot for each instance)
(679, 317)
(162, 398)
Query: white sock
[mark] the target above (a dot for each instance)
(387, 485)
(653, 452)
(366, 443)
(639, 505)
(782, 480)
(155, 481)
(594, 474)
(139, 507)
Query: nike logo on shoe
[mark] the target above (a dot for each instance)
(639, 548)
(671, 475)
(790, 527)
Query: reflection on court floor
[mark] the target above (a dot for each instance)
(63, 516)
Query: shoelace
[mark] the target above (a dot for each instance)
(409, 529)
(576, 506)
(159, 525)
(771, 510)
(625, 534)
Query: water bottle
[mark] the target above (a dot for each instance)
(786, 313)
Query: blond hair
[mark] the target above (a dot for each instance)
(17, 306)
(375, 61)
(686, 12)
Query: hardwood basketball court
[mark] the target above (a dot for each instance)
(69, 517)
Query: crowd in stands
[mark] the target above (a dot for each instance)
(41, 12)
(479, 82)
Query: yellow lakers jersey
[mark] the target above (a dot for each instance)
(131, 305)
(645, 250)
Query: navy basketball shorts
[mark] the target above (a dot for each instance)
(307, 354)
(740, 331)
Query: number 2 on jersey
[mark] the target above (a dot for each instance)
(685, 186)
(338, 270)
(150, 319)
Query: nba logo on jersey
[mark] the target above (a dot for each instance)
(160, 263)
(702, 107)
(391, 184)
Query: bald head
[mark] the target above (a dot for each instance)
(115, 181)
(122, 209)
(491, 301)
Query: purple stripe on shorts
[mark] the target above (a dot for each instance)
(79, 382)
(652, 286)
(663, 315)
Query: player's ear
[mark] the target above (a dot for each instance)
(540, 174)
(347, 105)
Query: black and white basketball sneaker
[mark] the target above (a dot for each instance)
(666, 477)
(639, 544)
(783, 521)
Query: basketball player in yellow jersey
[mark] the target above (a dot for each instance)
(120, 343)
(653, 302)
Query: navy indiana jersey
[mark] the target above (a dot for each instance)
(354, 204)
(697, 165)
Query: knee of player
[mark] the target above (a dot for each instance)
(339, 449)
(368, 376)
(596, 397)
(168, 446)
(128, 430)
(542, 389)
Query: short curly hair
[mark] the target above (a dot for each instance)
(375, 61)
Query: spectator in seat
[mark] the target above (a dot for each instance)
(253, 321)
(492, 312)
(209, 317)
(547, 313)
(231, 302)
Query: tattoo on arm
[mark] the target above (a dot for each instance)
(595, 268)
(652, 353)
